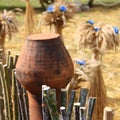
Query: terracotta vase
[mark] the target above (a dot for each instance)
(44, 60)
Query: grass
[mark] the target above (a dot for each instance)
(111, 60)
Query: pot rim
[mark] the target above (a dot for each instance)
(43, 36)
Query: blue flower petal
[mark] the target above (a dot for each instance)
(62, 8)
(116, 30)
(50, 9)
(96, 29)
(80, 62)
(91, 22)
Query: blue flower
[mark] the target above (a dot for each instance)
(116, 30)
(91, 22)
(80, 62)
(96, 29)
(62, 8)
(50, 9)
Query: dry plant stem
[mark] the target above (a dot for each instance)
(5, 93)
(14, 97)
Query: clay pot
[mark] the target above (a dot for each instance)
(44, 60)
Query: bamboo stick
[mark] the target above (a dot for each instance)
(83, 95)
(63, 97)
(76, 111)
(63, 113)
(70, 104)
(108, 113)
(91, 104)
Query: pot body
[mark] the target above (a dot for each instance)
(44, 60)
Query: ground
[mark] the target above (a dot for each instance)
(110, 62)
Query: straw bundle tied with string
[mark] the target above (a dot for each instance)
(57, 15)
(8, 26)
(90, 71)
(30, 18)
(103, 36)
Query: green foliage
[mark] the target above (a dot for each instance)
(17, 3)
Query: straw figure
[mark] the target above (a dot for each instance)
(8, 25)
(58, 15)
(90, 73)
(30, 18)
(104, 36)
(98, 38)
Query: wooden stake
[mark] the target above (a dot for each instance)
(63, 113)
(76, 111)
(45, 111)
(108, 113)
(63, 97)
(70, 104)
(91, 104)
(82, 113)
(83, 95)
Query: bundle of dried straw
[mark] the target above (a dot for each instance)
(103, 36)
(30, 18)
(57, 15)
(8, 26)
